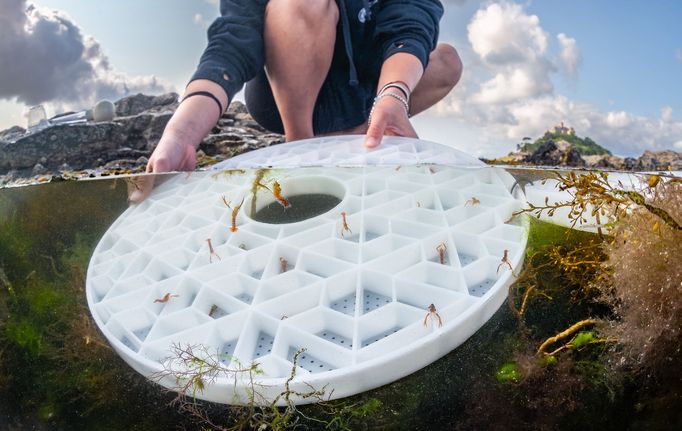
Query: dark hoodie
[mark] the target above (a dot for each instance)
(235, 52)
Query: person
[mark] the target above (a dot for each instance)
(314, 67)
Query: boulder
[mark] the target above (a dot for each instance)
(134, 105)
(659, 161)
(553, 153)
(124, 143)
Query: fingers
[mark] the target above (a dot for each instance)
(375, 132)
(388, 118)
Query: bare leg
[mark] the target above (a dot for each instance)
(441, 75)
(299, 45)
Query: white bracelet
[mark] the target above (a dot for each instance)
(395, 96)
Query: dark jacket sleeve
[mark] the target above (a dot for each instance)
(235, 50)
(408, 26)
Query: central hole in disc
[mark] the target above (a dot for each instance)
(302, 208)
(308, 197)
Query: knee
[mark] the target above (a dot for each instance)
(319, 12)
(447, 65)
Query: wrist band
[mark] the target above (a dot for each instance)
(397, 85)
(207, 94)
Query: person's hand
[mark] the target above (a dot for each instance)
(388, 118)
(173, 153)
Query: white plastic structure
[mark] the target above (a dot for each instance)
(364, 287)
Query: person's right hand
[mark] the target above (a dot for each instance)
(173, 153)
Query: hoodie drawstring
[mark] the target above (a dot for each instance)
(345, 29)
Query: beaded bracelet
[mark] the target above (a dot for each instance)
(397, 85)
(207, 94)
(395, 96)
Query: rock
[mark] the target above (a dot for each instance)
(605, 162)
(659, 161)
(556, 154)
(38, 169)
(65, 167)
(629, 163)
(134, 105)
(12, 134)
(237, 107)
(124, 143)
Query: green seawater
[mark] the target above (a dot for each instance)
(57, 371)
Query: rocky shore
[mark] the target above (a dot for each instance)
(555, 153)
(120, 146)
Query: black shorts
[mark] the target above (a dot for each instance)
(339, 105)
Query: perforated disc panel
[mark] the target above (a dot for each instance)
(409, 263)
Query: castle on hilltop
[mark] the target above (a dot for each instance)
(563, 130)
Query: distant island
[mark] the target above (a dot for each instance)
(561, 146)
(585, 146)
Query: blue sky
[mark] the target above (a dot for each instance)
(613, 70)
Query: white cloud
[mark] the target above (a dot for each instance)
(507, 90)
(503, 34)
(51, 60)
(666, 114)
(512, 45)
(570, 55)
(678, 145)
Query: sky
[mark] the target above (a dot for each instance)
(610, 69)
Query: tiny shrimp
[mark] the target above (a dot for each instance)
(432, 314)
(344, 226)
(283, 265)
(212, 311)
(505, 261)
(211, 251)
(473, 201)
(277, 191)
(441, 249)
(235, 210)
(167, 297)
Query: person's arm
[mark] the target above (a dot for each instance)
(407, 32)
(234, 55)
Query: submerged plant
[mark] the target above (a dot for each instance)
(644, 281)
(194, 368)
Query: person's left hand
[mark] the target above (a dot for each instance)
(388, 118)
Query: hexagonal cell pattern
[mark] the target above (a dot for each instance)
(351, 286)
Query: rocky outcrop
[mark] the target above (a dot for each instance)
(659, 161)
(124, 143)
(561, 153)
(558, 153)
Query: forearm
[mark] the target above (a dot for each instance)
(196, 116)
(401, 67)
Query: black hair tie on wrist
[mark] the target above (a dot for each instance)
(207, 94)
